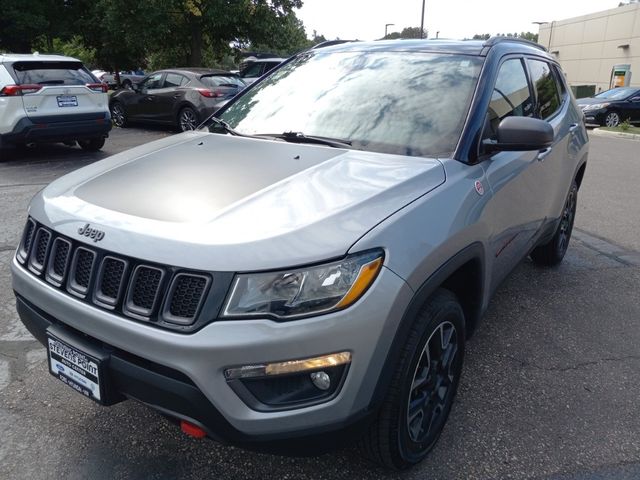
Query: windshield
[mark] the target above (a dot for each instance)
(221, 81)
(408, 103)
(617, 93)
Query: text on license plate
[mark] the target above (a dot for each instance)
(67, 101)
(75, 368)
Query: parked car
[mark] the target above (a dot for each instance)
(51, 98)
(612, 107)
(253, 68)
(304, 271)
(127, 79)
(181, 97)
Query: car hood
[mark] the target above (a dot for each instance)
(225, 203)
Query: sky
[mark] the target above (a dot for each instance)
(366, 19)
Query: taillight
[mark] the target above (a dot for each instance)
(98, 87)
(15, 90)
(205, 92)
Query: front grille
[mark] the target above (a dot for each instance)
(143, 293)
(39, 252)
(126, 286)
(110, 280)
(186, 294)
(81, 270)
(58, 261)
(25, 243)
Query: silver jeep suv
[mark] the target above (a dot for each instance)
(305, 268)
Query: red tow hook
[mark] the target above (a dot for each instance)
(192, 430)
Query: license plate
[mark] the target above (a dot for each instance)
(74, 367)
(67, 101)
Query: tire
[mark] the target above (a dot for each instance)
(91, 144)
(552, 252)
(612, 119)
(398, 438)
(118, 115)
(187, 119)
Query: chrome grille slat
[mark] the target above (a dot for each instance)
(58, 261)
(144, 290)
(110, 281)
(39, 251)
(25, 242)
(184, 298)
(81, 269)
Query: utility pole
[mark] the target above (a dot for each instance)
(422, 21)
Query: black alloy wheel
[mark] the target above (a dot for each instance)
(423, 387)
(118, 115)
(552, 252)
(187, 119)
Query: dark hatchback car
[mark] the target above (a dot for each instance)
(181, 97)
(612, 107)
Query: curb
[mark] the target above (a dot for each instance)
(606, 133)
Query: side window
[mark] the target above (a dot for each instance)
(510, 97)
(153, 82)
(546, 88)
(173, 80)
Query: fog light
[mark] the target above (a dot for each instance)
(321, 380)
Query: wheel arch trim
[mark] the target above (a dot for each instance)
(472, 253)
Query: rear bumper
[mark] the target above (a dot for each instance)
(58, 128)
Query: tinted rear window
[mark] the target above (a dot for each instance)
(52, 73)
(221, 81)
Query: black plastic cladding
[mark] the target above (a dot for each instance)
(184, 300)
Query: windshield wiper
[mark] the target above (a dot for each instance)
(227, 129)
(299, 137)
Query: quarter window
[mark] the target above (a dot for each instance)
(174, 80)
(546, 88)
(510, 97)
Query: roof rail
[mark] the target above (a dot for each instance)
(495, 40)
(328, 43)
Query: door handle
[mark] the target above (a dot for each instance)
(542, 154)
(573, 127)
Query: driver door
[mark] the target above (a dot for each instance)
(515, 212)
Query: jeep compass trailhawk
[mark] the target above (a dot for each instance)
(307, 266)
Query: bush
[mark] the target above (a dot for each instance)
(626, 125)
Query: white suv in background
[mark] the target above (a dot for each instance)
(51, 98)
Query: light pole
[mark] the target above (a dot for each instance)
(386, 25)
(422, 21)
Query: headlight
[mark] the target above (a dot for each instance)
(304, 291)
(596, 106)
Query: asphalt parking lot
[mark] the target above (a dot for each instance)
(550, 387)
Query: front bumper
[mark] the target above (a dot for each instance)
(595, 117)
(59, 128)
(197, 390)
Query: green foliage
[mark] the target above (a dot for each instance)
(408, 32)
(626, 125)
(533, 37)
(125, 34)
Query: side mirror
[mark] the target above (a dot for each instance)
(518, 134)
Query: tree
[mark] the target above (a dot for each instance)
(533, 37)
(408, 32)
(25, 25)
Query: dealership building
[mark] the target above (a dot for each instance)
(597, 51)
